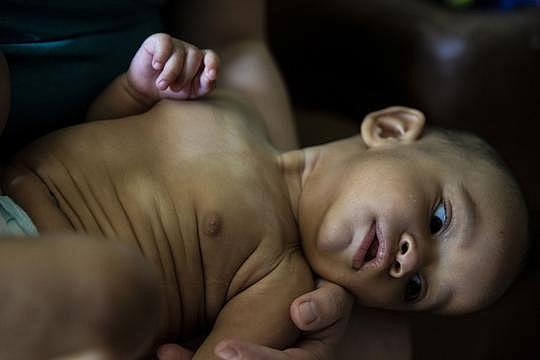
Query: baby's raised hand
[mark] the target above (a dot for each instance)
(168, 68)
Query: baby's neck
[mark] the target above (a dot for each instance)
(296, 166)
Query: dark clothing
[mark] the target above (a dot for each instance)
(62, 54)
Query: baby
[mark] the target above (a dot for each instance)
(403, 217)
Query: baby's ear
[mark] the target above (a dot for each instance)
(393, 125)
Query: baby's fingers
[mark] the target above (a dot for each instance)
(211, 65)
(160, 47)
(192, 63)
(172, 69)
(206, 78)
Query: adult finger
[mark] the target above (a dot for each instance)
(173, 352)
(89, 355)
(322, 308)
(240, 350)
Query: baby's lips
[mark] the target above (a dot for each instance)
(360, 255)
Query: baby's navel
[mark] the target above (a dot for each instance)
(212, 224)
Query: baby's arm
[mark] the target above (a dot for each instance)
(260, 313)
(162, 68)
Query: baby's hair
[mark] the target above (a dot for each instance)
(472, 147)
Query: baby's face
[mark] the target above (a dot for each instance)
(408, 229)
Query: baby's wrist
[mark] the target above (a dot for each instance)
(140, 96)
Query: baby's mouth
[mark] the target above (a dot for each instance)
(368, 249)
(372, 251)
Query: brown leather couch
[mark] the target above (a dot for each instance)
(475, 70)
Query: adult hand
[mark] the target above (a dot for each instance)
(322, 315)
(173, 352)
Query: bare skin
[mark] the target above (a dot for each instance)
(291, 167)
(240, 39)
(327, 312)
(176, 178)
(203, 170)
(62, 297)
(172, 206)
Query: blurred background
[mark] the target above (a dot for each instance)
(467, 64)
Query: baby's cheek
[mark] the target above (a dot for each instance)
(377, 293)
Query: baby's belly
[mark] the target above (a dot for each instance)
(60, 196)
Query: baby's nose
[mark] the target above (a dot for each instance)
(406, 260)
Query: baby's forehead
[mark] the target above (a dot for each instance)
(467, 156)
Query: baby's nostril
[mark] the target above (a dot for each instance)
(404, 248)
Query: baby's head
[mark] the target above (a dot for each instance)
(413, 219)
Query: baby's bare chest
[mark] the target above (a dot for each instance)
(214, 220)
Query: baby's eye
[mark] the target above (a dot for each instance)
(413, 289)
(438, 219)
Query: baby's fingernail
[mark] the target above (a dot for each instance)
(228, 353)
(211, 73)
(307, 312)
(162, 84)
(157, 65)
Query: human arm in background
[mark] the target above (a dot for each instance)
(235, 29)
(162, 68)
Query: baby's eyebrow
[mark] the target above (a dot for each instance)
(469, 215)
